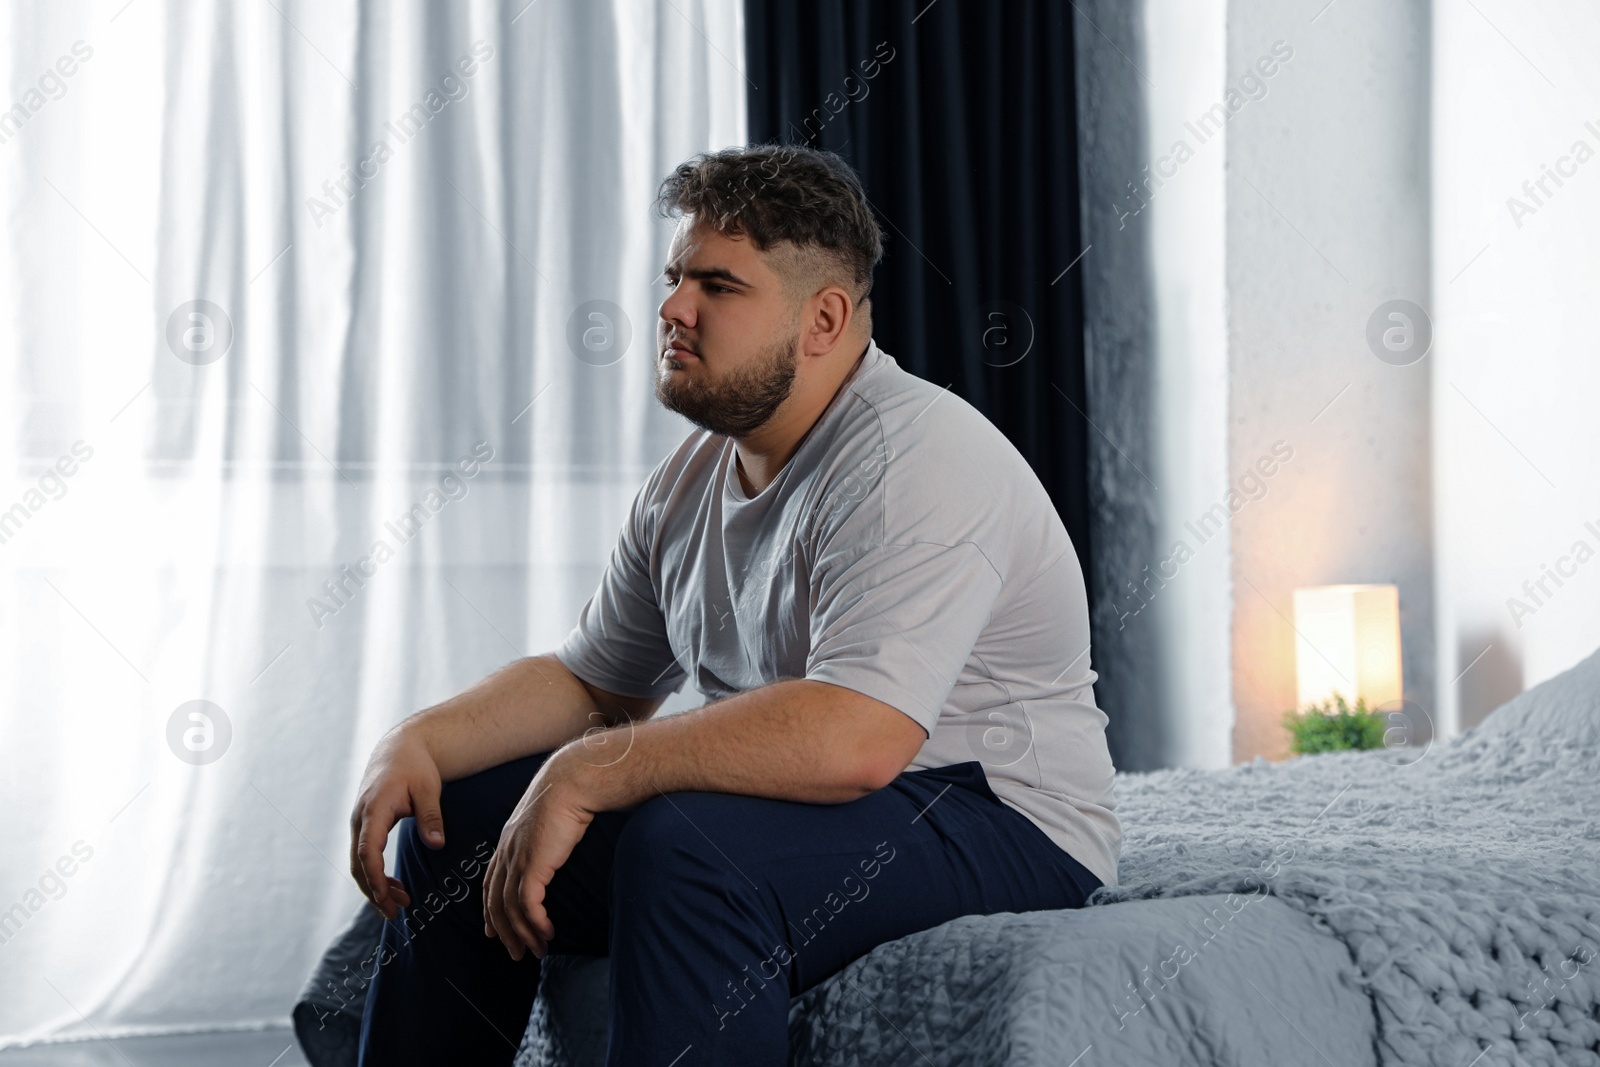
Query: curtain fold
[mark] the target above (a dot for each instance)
(326, 371)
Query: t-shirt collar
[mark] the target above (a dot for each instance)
(735, 493)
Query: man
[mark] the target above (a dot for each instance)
(873, 591)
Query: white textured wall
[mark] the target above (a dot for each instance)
(1229, 297)
(1327, 218)
(1516, 386)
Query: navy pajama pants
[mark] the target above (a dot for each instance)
(715, 910)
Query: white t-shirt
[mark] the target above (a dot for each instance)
(906, 551)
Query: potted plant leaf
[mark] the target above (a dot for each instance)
(1334, 726)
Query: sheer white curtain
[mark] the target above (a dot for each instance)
(310, 414)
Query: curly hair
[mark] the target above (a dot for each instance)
(806, 204)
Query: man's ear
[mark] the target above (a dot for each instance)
(830, 313)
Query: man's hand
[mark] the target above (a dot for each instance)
(546, 826)
(401, 779)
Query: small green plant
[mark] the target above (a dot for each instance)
(1334, 726)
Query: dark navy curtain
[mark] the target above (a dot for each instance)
(960, 117)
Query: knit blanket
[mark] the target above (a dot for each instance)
(1463, 878)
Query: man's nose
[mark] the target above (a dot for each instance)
(677, 309)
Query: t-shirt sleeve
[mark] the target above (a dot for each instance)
(898, 622)
(620, 642)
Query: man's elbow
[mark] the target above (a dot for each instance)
(875, 741)
(890, 751)
(876, 774)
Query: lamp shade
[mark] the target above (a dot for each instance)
(1347, 642)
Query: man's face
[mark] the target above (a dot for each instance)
(725, 304)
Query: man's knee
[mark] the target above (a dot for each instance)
(480, 801)
(475, 809)
(452, 872)
(669, 846)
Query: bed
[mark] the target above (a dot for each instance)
(1419, 904)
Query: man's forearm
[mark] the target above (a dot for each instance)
(792, 740)
(531, 705)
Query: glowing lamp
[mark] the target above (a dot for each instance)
(1347, 642)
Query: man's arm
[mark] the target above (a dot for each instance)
(532, 705)
(791, 740)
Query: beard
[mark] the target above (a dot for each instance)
(737, 403)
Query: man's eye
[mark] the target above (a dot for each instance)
(671, 283)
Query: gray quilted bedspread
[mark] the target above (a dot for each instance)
(1423, 904)
(1187, 982)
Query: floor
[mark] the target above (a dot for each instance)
(258, 1048)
